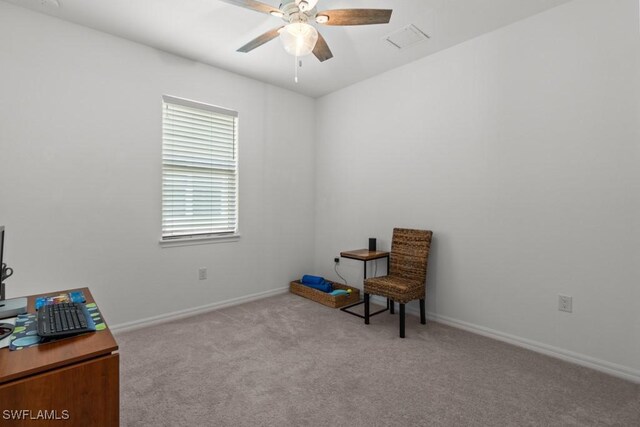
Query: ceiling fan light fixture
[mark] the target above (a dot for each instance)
(322, 19)
(306, 5)
(299, 38)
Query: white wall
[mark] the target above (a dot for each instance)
(80, 172)
(519, 149)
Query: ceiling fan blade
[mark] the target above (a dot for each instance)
(357, 16)
(260, 40)
(253, 5)
(321, 50)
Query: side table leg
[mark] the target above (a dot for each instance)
(366, 309)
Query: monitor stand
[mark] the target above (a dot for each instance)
(11, 307)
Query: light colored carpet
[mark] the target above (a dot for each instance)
(287, 361)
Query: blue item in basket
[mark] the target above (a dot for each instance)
(316, 282)
(308, 279)
(324, 287)
(339, 292)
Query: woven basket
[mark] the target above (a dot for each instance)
(325, 298)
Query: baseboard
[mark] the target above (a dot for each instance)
(614, 369)
(181, 314)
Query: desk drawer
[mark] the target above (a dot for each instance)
(83, 394)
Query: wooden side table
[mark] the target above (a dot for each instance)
(365, 255)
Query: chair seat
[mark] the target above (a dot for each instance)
(396, 288)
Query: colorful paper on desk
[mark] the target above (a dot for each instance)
(76, 296)
(26, 335)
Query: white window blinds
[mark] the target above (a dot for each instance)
(199, 169)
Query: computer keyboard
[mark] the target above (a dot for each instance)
(65, 319)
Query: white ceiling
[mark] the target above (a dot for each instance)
(210, 31)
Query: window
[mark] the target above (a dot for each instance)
(199, 170)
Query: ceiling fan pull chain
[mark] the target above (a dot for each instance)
(296, 69)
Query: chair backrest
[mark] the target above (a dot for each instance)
(410, 253)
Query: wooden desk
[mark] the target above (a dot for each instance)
(365, 255)
(79, 375)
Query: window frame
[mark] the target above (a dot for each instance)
(199, 239)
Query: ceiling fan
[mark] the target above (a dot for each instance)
(298, 36)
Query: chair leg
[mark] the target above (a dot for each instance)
(392, 307)
(401, 320)
(423, 317)
(366, 309)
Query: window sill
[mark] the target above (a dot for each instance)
(191, 241)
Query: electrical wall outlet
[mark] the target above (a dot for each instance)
(565, 303)
(336, 260)
(202, 273)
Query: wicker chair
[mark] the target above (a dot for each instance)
(406, 276)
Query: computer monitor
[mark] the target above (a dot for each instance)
(2, 291)
(1, 244)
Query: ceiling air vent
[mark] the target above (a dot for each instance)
(407, 36)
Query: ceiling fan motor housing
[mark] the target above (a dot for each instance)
(292, 13)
